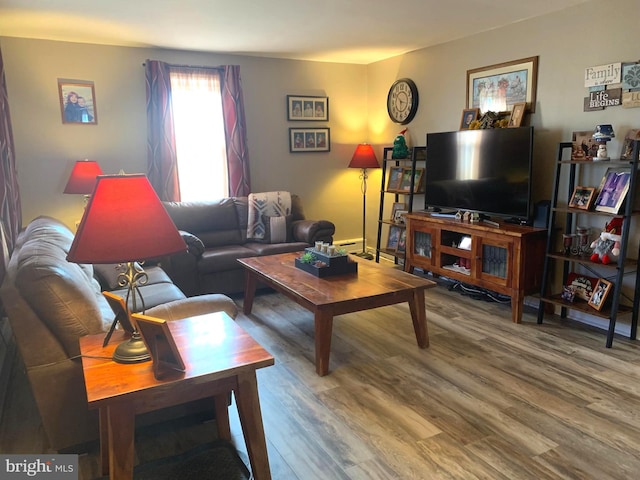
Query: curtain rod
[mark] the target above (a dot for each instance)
(188, 66)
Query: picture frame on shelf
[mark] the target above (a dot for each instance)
(77, 102)
(517, 114)
(468, 116)
(394, 237)
(399, 216)
(627, 144)
(405, 183)
(302, 108)
(387, 153)
(397, 206)
(584, 148)
(583, 285)
(516, 80)
(306, 140)
(600, 293)
(613, 190)
(417, 180)
(419, 153)
(395, 178)
(402, 241)
(582, 197)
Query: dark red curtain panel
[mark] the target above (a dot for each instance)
(235, 132)
(162, 169)
(10, 208)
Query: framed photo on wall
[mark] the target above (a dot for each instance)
(498, 87)
(307, 109)
(77, 102)
(304, 140)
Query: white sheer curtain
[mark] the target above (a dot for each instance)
(199, 133)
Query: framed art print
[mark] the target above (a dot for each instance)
(77, 102)
(304, 108)
(613, 190)
(304, 140)
(498, 87)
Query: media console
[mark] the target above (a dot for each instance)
(502, 257)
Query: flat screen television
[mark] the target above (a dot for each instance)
(485, 171)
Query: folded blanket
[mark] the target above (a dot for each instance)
(266, 204)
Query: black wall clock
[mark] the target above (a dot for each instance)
(402, 101)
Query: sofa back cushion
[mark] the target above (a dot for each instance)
(215, 223)
(63, 294)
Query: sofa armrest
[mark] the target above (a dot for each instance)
(311, 231)
(193, 306)
(194, 245)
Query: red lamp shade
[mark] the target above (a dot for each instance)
(364, 157)
(124, 221)
(83, 177)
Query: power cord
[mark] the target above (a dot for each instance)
(480, 293)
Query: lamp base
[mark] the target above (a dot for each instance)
(365, 255)
(132, 351)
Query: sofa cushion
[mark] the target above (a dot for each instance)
(220, 259)
(277, 229)
(260, 249)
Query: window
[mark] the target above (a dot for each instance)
(199, 134)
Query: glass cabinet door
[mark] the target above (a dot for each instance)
(494, 260)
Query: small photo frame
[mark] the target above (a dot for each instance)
(399, 216)
(582, 198)
(305, 140)
(517, 114)
(468, 116)
(307, 109)
(405, 183)
(397, 206)
(627, 145)
(584, 147)
(402, 241)
(568, 293)
(600, 293)
(394, 237)
(613, 190)
(161, 345)
(395, 179)
(583, 285)
(77, 102)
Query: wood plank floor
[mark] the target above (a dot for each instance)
(487, 400)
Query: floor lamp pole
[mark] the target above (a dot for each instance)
(363, 187)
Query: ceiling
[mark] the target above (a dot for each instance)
(345, 31)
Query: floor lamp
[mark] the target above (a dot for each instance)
(126, 223)
(364, 157)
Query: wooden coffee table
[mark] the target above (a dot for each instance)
(220, 357)
(373, 286)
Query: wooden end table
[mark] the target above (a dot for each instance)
(373, 286)
(220, 358)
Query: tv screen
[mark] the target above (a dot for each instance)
(486, 171)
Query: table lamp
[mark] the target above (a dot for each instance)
(125, 222)
(83, 178)
(364, 157)
(602, 134)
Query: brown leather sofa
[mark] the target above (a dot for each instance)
(51, 302)
(216, 234)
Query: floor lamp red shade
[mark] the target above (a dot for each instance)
(125, 222)
(364, 157)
